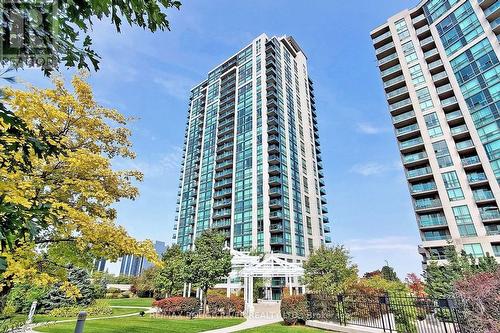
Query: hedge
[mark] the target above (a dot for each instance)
(223, 306)
(182, 306)
(294, 309)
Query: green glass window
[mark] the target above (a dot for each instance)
(476, 250)
(452, 185)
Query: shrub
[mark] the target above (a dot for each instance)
(322, 307)
(479, 300)
(177, 305)
(224, 306)
(99, 308)
(21, 296)
(294, 309)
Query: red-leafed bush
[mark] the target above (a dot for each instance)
(294, 309)
(182, 306)
(222, 306)
(479, 299)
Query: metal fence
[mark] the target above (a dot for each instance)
(401, 314)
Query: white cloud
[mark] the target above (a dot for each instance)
(368, 128)
(393, 243)
(374, 168)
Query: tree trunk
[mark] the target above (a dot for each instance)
(205, 292)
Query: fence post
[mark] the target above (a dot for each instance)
(80, 322)
(381, 300)
(443, 303)
(341, 310)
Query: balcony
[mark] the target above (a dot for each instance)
(276, 228)
(326, 229)
(418, 173)
(444, 91)
(276, 215)
(431, 55)
(471, 161)
(224, 156)
(476, 178)
(440, 77)
(401, 105)
(397, 94)
(435, 66)
(403, 117)
(494, 230)
(449, 103)
(388, 60)
(222, 203)
(275, 191)
(275, 203)
(273, 138)
(274, 159)
(459, 130)
(454, 115)
(427, 43)
(325, 219)
(411, 145)
(483, 195)
(436, 235)
(397, 81)
(423, 30)
(222, 193)
(224, 174)
(224, 165)
(275, 180)
(486, 3)
(432, 221)
(273, 148)
(277, 240)
(465, 146)
(495, 26)
(493, 11)
(328, 239)
(324, 210)
(410, 129)
(490, 214)
(222, 213)
(273, 129)
(383, 37)
(274, 170)
(390, 72)
(418, 19)
(223, 183)
(423, 188)
(427, 204)
(384, 50)
(413, 158)
(221, 223)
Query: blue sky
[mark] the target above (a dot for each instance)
(148, 76)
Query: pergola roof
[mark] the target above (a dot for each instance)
(272, 266)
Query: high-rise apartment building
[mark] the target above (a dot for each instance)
(440, 68)
(252, 160)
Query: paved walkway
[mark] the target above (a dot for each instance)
(264, 314)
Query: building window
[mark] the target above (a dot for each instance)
(409, 52)
(452, 185)
(475, 250)
(402, 29)
(496, 249)
(464, 221)
(417, 77)
(433, 126)
(424, 99)
(442, 154)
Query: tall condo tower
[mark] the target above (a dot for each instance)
(252, 160)
(440, 68)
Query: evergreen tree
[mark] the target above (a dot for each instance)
(388, 273)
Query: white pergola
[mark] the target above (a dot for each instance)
(270, 267)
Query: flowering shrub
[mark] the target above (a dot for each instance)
(479, 298)
(294, 309)
(223, 306)
(182, 306)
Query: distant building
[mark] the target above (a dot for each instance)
(128, 265)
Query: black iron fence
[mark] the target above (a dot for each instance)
(401, 314)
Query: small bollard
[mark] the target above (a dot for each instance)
(80, 322)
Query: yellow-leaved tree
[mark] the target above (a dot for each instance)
(74, 190)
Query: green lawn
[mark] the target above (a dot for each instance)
(282, 328)
(146, 302)
(116, 312)
(144, 324)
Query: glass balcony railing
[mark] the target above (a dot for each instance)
(432, 220)
(493, 230)
(491, 9)
(489, 214)
(403, 116)
(382, 37)
(439, 76)
(390, 70)
(400, 104)
(426, 41)
(459, 129)
(470, 160)
(449, 101)
(406, 129)
(435, 64)
(453, 115)
(418, 172)
(430, 53)
(422, 29)
(423, 187)
(414, 157)
(411, 143)
(384, 48)
(418, 18)
(396, 92)
(436, 236)
(427, 203)
(390, 57)
(444, 88)
(393, 81)
(476, 177)
(464, 144)
(482, 194)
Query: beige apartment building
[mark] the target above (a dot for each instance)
(440, 69)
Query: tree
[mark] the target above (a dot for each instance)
(388, 273)
(144, 284)
(171, 277)
(330, 270)
(61, 29)
(416, 285)
(77, 188)
(368, 275)
(209, 262)
(440, 279)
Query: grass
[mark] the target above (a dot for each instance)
(146, 302)
(144, 324)
(282, 328)
(116, 312)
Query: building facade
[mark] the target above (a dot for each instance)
(252, 160)
(440, 68)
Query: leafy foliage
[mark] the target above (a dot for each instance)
(22, 296)
(479, 296)
(177, 306)
(77, 187)
(416, 285)
(64, 28)
(99, 308)
(294, 309)
(219, 305)
(330, 270)
(388, 273)
(171, 277)
(144, 284)
(440, 279)
(209, 261)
